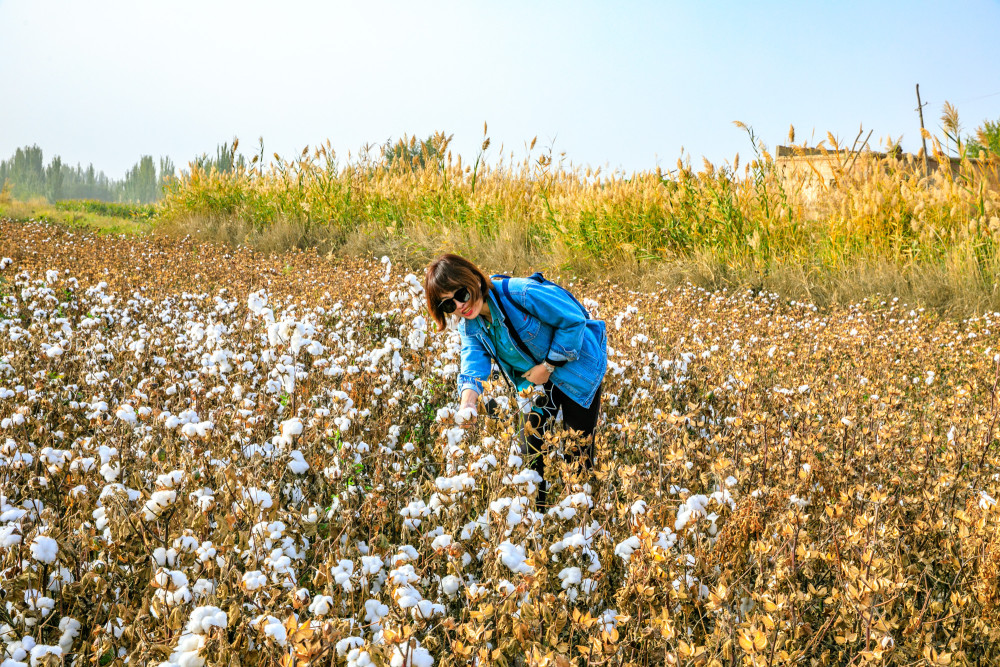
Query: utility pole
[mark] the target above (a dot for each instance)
(920, 108)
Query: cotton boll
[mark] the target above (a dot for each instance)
(297, 463)
(358, 658)
(158, 502)
(258, 497)
(321, 605)
(624, 550)
(411, 655)
(570, 576)
(348, 644)
(291, 427)
(425, 610)
(70, 629)
(513, 557)
(272, 628)
(40, 651)
(203, 619)
(44, 549)
(253, 580)
(375, 611)
(450, 585)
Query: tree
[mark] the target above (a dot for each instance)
(54, 179)
(987, 140)
(140, 182)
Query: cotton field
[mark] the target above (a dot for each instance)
(209, 456)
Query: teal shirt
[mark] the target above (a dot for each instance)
(507, 351)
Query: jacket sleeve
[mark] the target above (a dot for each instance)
(476, 365)
(555, 308)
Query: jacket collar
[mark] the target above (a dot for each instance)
(473, 327)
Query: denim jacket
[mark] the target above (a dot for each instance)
(554, 329)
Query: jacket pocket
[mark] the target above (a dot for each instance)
(527, 327)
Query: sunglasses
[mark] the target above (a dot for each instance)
(448, 306)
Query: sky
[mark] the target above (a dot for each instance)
(619, 85)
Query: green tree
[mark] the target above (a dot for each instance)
(27, 173)
(54, 179)
(987, 140)
(141, 184)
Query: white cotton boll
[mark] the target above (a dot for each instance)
(258, 497)
(425, 610)
(203, 588)
(10, 535)
(407, 596)
(321, 605)
(986, 501)
(570, 576)
(441, 542)
(126, 413)
(347, 644)
(371, 565)
(624, 550)
(53, 352)
(297, 463)
(375, 611)
(40, 651)
(170, 480)
(44, 549)
(465, 415)
(411, 655)
(358, 658)
(291, 427)
(342, 575)
(158, 502)
(450, 585)
(513, 557)
(203, 619)
(273, 628)
(253, 580)
(70, 629)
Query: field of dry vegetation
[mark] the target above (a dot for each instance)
(213, 455)
(865, 223)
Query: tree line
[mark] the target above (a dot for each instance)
(25, 175)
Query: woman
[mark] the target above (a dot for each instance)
(536, 332)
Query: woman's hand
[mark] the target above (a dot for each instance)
(537, 374)
(467, 413)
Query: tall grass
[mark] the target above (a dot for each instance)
(865, 221)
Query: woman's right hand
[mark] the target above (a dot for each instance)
(466, 415)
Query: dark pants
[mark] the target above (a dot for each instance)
(575, 417)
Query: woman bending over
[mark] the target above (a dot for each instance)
(537, 333)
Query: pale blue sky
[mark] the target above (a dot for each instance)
(623, 84)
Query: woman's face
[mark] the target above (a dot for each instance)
(469, 310)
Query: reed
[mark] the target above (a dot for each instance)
(850, 213)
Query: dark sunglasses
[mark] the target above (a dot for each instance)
(448, 305)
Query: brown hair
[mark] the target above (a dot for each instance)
(449, 273)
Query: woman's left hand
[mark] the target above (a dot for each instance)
(537, 375)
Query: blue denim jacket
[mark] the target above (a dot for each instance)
(554, 329)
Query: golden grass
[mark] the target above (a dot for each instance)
(868, 223)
